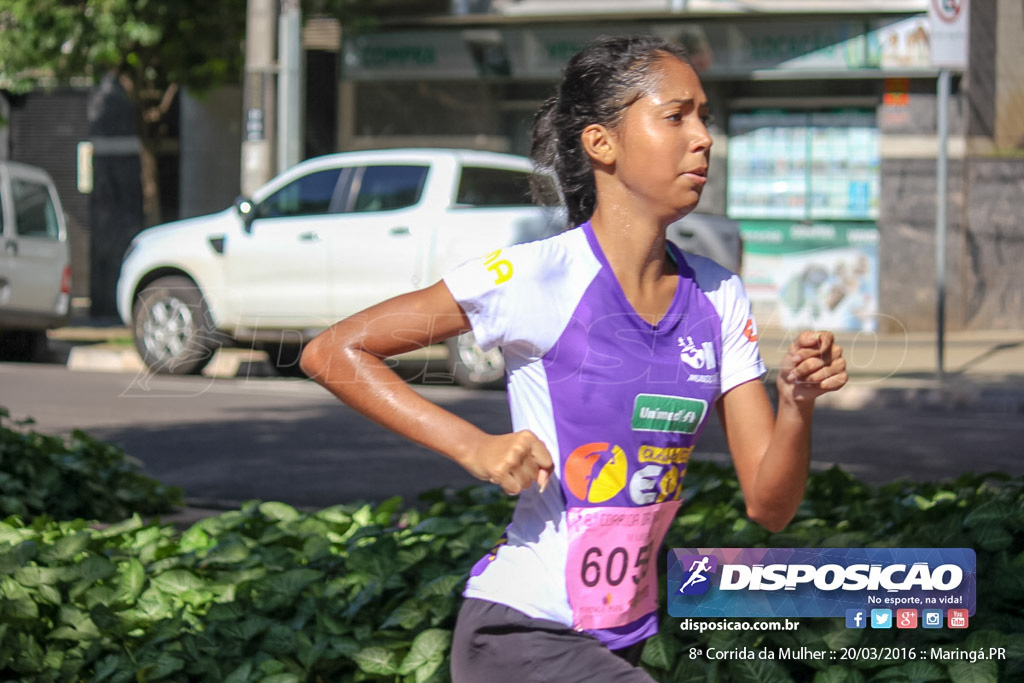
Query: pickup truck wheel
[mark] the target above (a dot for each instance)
(284, 358)
(473, 367)
(22, 346)
(172, 328)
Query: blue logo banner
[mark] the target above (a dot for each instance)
(818, 582)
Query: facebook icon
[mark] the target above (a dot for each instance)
(856, 618)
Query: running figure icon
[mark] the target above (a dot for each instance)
(697, 570)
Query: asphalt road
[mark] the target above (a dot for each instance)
(229, 440)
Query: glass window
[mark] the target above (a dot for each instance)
(309, 195)
(803, 166)
(34, 213)
(493, 187)
(384, 188)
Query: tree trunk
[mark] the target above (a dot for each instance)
(148, 115)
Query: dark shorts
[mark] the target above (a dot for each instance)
(497, 644)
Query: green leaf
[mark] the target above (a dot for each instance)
(660, 651)
(376, 660)
(443, 585)
(965, 671)
(65, 548)
(758, 671)
(279, 512)
(427, 653)
(838, 674)
(178, 581)
(440, 526)
(132, 580)
(991, 536)
(920, 671)
(240, 674)
(408, 615)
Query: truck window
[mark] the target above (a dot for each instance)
(481, 186)
(34, 214)
(385, 188)
(307, 196)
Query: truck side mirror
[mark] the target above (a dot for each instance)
(246, 211)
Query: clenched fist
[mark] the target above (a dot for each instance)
(512, 461)
(813, 365)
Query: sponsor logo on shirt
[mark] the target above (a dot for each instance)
(501, 268)
(665, 456)
(598, 472)
(660, 413)
(750, 330)
(697, 357)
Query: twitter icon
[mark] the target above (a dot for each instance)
(881, 618)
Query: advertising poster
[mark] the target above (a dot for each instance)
(812, 275)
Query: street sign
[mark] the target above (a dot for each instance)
(949, 24)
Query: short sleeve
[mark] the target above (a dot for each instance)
(523, 296)
(481, 288)
(741, 357)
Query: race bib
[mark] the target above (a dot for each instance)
(609, 574)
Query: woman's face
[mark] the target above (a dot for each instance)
(664, 145)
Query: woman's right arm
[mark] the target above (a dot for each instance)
(348, 360)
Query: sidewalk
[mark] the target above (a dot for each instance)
(983, 371)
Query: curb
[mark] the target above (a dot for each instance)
(226, 363)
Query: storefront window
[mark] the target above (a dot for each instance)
(803, 166)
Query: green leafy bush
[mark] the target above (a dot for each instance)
(264, 593)
(78, 477)
(268, 593)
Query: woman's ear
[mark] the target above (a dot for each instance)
(598, 143)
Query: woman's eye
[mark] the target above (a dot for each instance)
(707, 120)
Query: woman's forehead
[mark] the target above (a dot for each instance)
(674, 79)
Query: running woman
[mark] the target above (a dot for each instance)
(617, 346)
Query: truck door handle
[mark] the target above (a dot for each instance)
(11, 248)
(309, 237)
(400, 230)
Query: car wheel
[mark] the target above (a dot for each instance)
(23, 346)
(171, 327)
(284, 358)
(471, 366)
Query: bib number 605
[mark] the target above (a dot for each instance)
(613, 567)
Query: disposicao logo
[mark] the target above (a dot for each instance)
(818, 582)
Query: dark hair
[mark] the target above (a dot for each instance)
(599, 83)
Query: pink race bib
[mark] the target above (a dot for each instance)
(609, 574)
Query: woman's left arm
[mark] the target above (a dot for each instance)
(772, 452)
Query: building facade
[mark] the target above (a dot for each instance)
(825, 136)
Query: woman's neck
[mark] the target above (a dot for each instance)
(637, 253)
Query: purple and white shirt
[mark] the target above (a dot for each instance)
(619, 403)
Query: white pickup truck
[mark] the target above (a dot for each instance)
(323, 240)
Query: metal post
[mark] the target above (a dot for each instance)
(940, 219)
(259, 99)
(289, 86)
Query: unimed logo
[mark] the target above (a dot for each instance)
(658, 413)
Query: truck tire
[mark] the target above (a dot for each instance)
(22, 346)
(171, 327)
(284, 359)
(471, 366)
